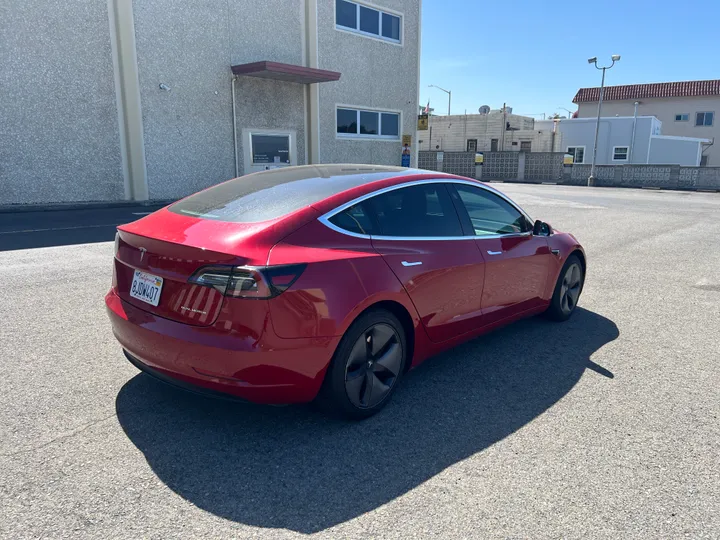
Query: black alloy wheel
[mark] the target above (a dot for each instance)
(373, 366)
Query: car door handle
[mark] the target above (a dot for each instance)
(494, 252)
(414, 263)
(555, 251)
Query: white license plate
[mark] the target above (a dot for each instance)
(146, 287)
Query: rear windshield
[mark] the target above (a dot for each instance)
(273, 194)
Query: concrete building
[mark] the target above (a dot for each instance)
(628, 140)
(488, 132)
(155, 99)
(685, 109)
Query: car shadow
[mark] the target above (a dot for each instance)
(295, 468)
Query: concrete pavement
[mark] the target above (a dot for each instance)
(605, 426)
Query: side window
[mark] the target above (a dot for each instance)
(491, 214)
(355, 219)
(424, 210)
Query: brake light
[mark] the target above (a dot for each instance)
(248, 281)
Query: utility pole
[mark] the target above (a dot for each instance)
(502, 128)
(593, 60)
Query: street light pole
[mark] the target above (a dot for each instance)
(448, 92)
(593, 60)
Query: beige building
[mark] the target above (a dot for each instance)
(686, 109)
(493, 131)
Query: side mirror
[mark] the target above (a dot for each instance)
(540, 228)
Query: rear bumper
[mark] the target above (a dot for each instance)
(224, 359)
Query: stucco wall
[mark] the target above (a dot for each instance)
(59, 137)
(188, 130)
(665, 110)
(268, 104)
(375, 74)
(190, 47)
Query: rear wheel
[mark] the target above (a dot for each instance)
(366, 367)
(567, 290)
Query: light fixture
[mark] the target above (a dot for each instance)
(615, 57)
(592, 60)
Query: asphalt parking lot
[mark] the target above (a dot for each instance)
(607, 426)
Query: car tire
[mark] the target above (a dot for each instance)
(567, 290)
(366, 367)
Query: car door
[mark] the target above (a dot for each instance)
(421, 240)
(516, 261)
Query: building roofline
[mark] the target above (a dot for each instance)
(710, 87)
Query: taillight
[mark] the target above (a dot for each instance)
(248, 281)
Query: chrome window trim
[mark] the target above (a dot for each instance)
(325, 218)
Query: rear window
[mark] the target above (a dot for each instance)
(272, 194)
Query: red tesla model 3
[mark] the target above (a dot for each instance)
(329, 281)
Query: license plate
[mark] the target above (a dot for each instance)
(146, 287)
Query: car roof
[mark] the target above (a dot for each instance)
(274, 193)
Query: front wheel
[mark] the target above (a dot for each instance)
(567, 290)
(366, 367)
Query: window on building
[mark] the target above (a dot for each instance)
(493, 145)
(578, 153)
(620, 153)
(525, 146)
(681, 117)
(472, 145)
(366, 20)
(703, 161)
(513, 143)
(704, 119)
(423, 210)
(374, 124)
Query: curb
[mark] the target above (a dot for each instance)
(53, 207)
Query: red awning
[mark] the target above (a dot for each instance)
(285, 72)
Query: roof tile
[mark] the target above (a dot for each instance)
(653, 90)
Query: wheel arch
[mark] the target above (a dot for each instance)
(403, 315)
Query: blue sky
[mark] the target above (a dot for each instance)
(533, 54)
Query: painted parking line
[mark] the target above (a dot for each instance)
(61, 228)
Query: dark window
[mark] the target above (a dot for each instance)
(391, 26)
(704, 119)
(369, 123)
(346, 14)
(491, 214)
(620, 153)
(270, 148)
(347, 121)
(681, 117)
(354, 219)
(472, 145)
(578, 154)
(703, 161)
(369, 20)
(390, 124)
(525, 146)
(423, 210)
(493, 145)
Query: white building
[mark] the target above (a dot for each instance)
(491, 132)
(686, 108)
(628, 140)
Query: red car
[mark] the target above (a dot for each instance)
(329, 281)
